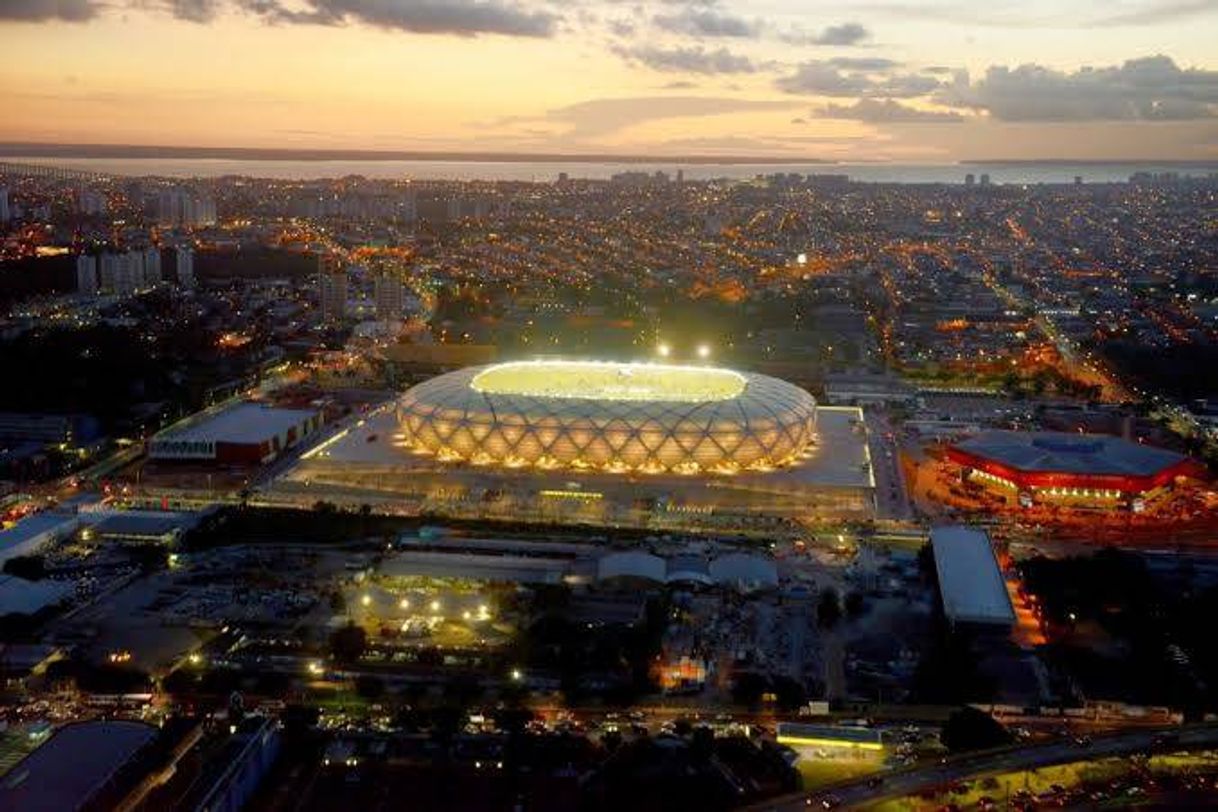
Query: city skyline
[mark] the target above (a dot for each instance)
(826, 81)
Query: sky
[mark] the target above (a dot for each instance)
(890, 80)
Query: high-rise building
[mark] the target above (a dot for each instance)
(86, 275)
(121, 274)
(182, 207)
(985, 179)
(90, 204)
(332, 284)
(151, 266)
(970, 179)
(389, 295)
(5, 213)
(184, 268)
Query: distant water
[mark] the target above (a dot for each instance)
(524, 171)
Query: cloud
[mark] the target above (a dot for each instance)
(885, 111)
(1151, 88)
(864, 63)
(687, 60)
(706, 22)
(1160, 13)
(844, 34)
(826, 78)
(598, 117)
(42, 10)
(460, 17)
(195, 11)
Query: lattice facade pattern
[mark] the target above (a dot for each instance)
(768, 425)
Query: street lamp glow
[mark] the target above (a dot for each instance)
(664, 350)
(517, 675)
(404, 604)
(704, 351)
(435, 606)
(366, 600)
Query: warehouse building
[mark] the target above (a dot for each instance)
(971, 585)
(246, 433)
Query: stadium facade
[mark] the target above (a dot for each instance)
(1082, 468)
(595, 442)
(618, 418)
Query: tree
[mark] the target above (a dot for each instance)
(29, 567)
(971, 729)
(748, 688)
(348, 643)
(829, 609)
(369, 686)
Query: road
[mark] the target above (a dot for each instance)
(914, 780)
(891, 490)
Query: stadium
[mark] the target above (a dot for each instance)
(618, 418)
(1087, 468)
(596, 442)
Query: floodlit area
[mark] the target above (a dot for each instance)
(617, 418)
(599, 380)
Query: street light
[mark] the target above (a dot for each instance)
(704, 351)
(517, 675)
(664, 350)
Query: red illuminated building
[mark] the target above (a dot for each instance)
(1070, 465)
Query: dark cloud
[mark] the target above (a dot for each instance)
(843, 34)
(43, 10)
(707, 22)
(885, 111)
(1151, 88)
(195, 11)
(688, 60)
(460, 17)
(825, 78)
(864, 63)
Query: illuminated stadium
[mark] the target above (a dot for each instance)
(611, 417)
(587, 442)
(1061, 465)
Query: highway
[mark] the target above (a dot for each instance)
(913, 780)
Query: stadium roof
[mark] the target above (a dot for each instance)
(244, 422)
(970, 582)
(1063, 452)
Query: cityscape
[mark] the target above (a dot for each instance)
(603, 454)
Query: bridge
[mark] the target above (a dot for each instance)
(909, 781)
(48, 172)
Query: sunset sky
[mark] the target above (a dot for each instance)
(899, 80)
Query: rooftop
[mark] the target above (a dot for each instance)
(74, 766)
(599, 380)
(1065, 452)
(972, 586)
(244, 422)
